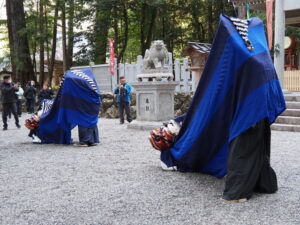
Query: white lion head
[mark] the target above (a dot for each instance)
(158, 45)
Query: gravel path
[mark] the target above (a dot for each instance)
(120, 182)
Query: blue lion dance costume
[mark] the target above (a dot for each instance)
(238, 89)
(76, 104)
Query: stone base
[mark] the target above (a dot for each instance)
(144, 125)
(154, 100)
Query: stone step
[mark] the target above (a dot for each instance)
(292, 98)
(293, 105)
(144, 125)
(288, 120)
(291, 112)
(285, 127)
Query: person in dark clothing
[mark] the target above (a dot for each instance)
(123, 92)
(29, 94)
(9, 101)
(45, 93)
(249, 168)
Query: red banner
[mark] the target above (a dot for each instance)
(112, 57)
(269, 13)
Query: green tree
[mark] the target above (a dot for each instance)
(22, 67)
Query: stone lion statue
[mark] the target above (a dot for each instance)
(156, 56)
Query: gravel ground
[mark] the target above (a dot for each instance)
(120, 182)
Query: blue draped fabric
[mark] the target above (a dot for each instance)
(238, 88)
(77, 103)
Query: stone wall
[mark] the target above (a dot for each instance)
(110, 107)
(182, 103)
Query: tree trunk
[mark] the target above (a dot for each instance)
(151, 27)
(11, 37)
(46, 78)
(64, 37)
(19, 48)
(125, 40)
(34, 50)
(198, 27)
(42, 49)
(146, 38)
(142, 28)
(210, 21)
(71, 32)
(102, 25)
(116, 31)
(54, 37)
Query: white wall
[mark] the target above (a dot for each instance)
(291, 4)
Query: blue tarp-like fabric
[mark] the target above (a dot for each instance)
(238, 88)
(77, 103)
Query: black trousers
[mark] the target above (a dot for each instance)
(88, 135)
(19, 107)
(30, 105)
(124, 106)
(7, 108)
(249, 168)
(32, 132)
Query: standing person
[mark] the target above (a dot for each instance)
(19, 94)
(29, 94)
(9, 101)
(45, 93)
(123, 92)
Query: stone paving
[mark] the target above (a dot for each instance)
(120, 182)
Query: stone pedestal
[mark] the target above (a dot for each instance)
(155, 100)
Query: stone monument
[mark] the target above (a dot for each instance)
(155, 86)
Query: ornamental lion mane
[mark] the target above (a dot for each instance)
(156, 56)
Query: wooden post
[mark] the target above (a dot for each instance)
(195, 81)
(140, 64)
(170, 63)
(279, 40)
(177, 74)
(186, 73)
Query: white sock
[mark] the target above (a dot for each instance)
(166, 168)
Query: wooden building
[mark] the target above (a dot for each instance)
(198, 53)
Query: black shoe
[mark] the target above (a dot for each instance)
(92, 144)
(121, 122)
(4, 128)
(18, 125)
(80, 144)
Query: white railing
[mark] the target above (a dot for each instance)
(292, 80)
(107, 82)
